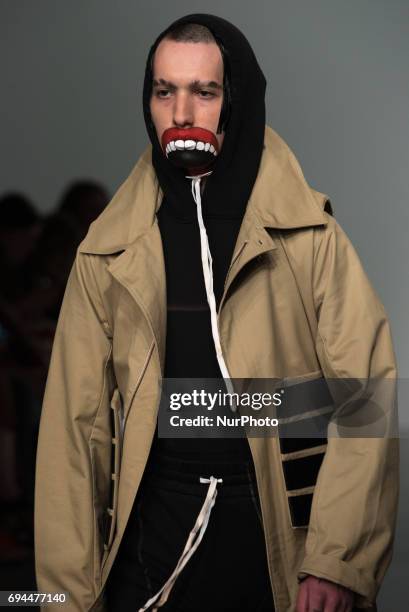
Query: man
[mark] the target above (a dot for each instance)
(215, 257)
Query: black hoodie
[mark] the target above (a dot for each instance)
(190, 350)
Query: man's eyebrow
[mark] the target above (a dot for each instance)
(211, 84)
(163, 82)
(193, 85)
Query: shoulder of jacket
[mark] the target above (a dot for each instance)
(323, 201)
(92, 279)
(92, 270)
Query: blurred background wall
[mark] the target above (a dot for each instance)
(338, 93)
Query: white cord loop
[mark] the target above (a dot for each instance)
(191, 545)
(196, 535)
(208, 278)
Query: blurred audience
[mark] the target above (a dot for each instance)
(84, 201)
(36, 253)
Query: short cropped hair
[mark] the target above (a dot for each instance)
(191, 32)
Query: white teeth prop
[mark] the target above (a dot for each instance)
(189, 145)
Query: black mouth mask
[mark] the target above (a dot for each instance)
(193, 148)
(242, 118)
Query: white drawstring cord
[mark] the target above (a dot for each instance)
(208, 278)
(204, 514)
(190, 546)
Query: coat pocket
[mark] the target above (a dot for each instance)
(303, 419)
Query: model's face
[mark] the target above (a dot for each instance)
(187, 89)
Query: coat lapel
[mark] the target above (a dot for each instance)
(281, 199)
(253, 240)
(141, 270)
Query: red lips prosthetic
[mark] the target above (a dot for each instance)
(192, 148)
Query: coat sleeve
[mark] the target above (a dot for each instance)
(67, 548)
(354, 508)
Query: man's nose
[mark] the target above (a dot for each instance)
(183, 110)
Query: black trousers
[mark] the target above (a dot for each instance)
(227, 572)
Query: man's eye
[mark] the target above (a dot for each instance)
(206, 94)
(162, 93)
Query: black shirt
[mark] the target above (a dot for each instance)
(190, 350)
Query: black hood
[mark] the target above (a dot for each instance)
(229, 187)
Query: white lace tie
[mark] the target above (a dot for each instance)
(193, 541)
(208, 279)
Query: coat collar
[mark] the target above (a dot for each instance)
(281, 199)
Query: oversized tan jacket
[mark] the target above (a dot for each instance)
(303, 310)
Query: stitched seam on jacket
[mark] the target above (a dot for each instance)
(303, 491)
(94, 522)
(115, 472)
(104, 321)
(314, 450)
(300, 293)
(138, 382)
(101, 397)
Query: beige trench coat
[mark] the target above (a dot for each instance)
(316, 315)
